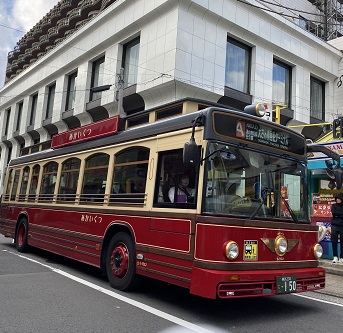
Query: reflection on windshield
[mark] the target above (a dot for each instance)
(255, 185)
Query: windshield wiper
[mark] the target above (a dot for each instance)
(295, 219)
(269, 191)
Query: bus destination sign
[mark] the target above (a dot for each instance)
(268, 134)
(262, 134)
(87, 132)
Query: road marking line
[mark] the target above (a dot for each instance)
(125, 299)
(318, 300)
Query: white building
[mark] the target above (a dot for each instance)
(227, 51)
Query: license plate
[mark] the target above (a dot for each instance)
(286, 284)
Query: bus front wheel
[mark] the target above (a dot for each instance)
(120, 262)
(22, 235)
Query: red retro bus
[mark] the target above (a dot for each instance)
(102, 196)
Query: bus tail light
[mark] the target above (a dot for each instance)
(231, 250)
(318, 251)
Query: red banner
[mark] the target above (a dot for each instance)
(95, 130)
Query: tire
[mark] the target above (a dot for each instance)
(21, 235)
(121, 262)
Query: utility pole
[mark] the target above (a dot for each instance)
(119, 93)
(326, 18)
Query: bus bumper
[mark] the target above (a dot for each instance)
(239, 284)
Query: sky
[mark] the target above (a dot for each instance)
(16, 18)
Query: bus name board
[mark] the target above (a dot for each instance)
(249, 130)
(261, 134)
(87, 132)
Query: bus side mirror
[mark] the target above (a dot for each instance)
(191, 153)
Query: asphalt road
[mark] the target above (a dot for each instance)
(42, 292)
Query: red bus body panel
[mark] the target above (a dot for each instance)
(187, 252)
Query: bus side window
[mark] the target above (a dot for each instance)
(129, 179)
(49, 177)
(94, 178)
(171, 171)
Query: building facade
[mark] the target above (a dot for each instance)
(152, 52)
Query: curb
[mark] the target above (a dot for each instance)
(330, 268)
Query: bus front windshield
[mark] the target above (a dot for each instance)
(242, 182)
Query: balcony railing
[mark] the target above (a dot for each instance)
(44, 39)
(45, 21)
(69, 32)
(15, 64)
(21, 58)
(49, 48)
(28, 51)
(63, 23)
(36, 45)
(37, 29)
(82, 23)
(65, 3)
(53, 31)
(41, 54)
(76, 12)
(56, 11)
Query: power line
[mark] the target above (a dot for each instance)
(9, 27)
(291, 9)
(287, 15)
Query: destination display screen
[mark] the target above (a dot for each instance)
(254, 131)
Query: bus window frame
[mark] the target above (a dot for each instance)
(192, 171)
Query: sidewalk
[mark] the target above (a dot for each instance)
(334, 278)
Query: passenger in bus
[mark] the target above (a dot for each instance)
(183, 193)
(137, 183)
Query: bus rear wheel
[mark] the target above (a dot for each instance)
(22, 235)
(120, 262)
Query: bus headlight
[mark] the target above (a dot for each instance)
(281, 245)
(231, 250)
(318, 251)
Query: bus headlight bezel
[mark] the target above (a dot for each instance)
(281, 245)
(318, 250)
(231, 250)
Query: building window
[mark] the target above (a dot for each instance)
(130, 62)
(34, 100)
(50, 102)
(317, 99)
(9, 155)
(97, 78)
(7, 120)
(281, 83)
(237, 73)
(70, 101)
(20, 111)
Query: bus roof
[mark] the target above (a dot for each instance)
(144, 131)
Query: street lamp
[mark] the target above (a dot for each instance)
(101, 88)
